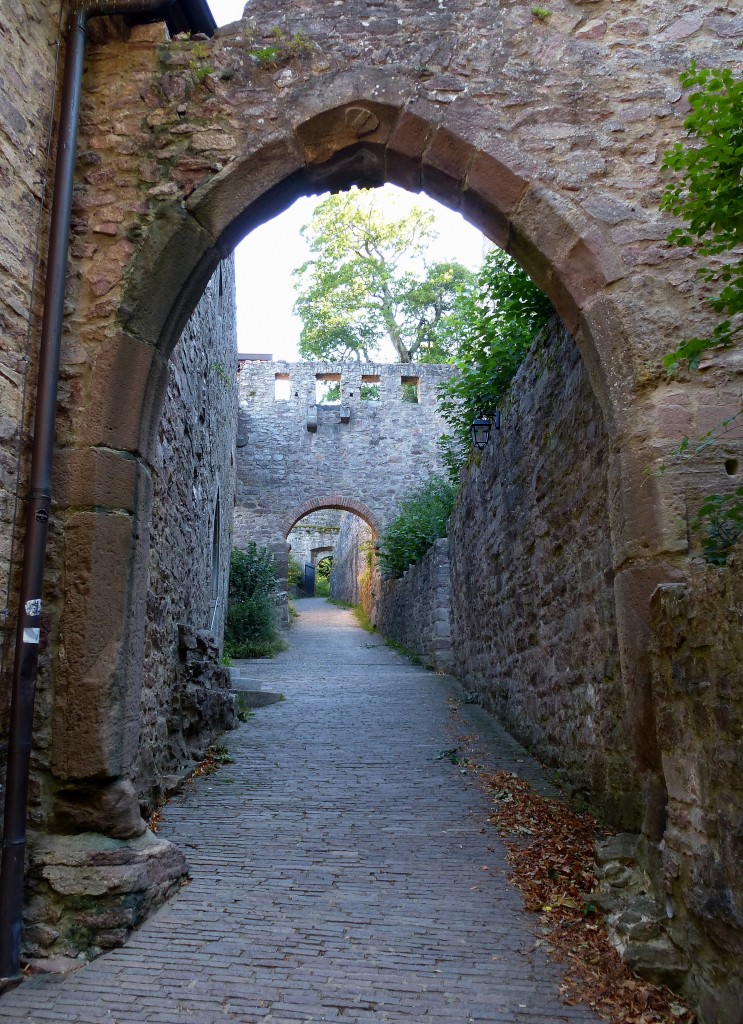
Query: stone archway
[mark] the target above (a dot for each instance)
(512, 124)
(365, 129)
(332, 500)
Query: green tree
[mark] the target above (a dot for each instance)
(367, 281)
(708, 196)
(497, 320)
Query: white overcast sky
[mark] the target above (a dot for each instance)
(267, 256)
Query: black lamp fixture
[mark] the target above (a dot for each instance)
(482, 426)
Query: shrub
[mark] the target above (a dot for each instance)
(322, 577)
(252, 627)
(422, 519)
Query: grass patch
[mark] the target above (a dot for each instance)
(359, 614)
(414, 659)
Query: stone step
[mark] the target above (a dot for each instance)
(257, 698)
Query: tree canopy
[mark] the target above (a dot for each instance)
(368, 280)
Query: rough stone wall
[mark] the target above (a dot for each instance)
(350, 560)
(28, 30)
(184, 691)
(533, 626)
(415, 610)
(295, 456)
(314, 533)
(185, 703)
(698, 691)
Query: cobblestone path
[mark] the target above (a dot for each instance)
(341, 872)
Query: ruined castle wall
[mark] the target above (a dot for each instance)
(350, 560)
(533, 620)
(185, 698)
(28, 32)
(295, 456)
(697, 651)
(315, 532)
(415, 610)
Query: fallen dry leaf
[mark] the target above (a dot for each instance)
(551, 853)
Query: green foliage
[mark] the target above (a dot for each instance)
(332, 394)
(358, 288)
(421, 520)
(362, 619)
(200, 71)
(413, 658)
(252, 627)
(243, 712)
(720, 517)
(370, 392)
(283, 49)
(219, 371)
(267, 55)
(541, 13)
(295, 572)
(322, 577)
(708, 196)
(252, 571)
(499, 318)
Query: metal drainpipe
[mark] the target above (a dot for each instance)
(29, 609)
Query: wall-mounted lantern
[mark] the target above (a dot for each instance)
(482, 426)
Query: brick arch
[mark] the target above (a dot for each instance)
(332, 500)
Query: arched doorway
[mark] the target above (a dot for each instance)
(557, 246)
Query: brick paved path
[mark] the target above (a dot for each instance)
(340, 871)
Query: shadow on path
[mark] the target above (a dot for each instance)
(341, 871)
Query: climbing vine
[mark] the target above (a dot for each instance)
(707, 193)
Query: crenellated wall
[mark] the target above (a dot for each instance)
(296, 455)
